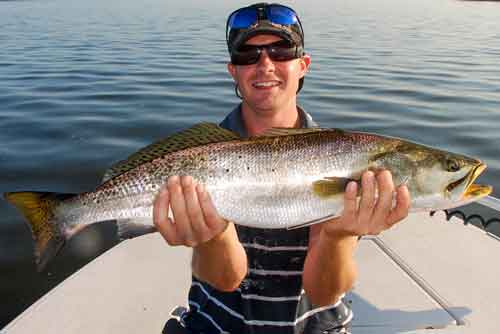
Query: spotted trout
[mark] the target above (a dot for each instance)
(285, 178)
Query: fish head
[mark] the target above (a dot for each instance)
(443, 180)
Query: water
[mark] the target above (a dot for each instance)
(84, 84)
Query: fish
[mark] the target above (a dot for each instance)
(285, 178)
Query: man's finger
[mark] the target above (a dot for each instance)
(178, 205)
(193, 208)
(368, 190)
(403, 202)
(385, 195)
(212, 218)
(350, 200)
(163, 224)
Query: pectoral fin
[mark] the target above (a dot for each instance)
(332, 186)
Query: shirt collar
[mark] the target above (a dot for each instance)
(234, 121)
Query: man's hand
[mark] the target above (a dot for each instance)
(375, 213)
(196, 220)
(218, 257)
(330, 269)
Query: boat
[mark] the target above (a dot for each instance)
(430, 274)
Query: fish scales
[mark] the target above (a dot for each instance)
(272, 181)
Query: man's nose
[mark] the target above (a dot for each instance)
(265, 63)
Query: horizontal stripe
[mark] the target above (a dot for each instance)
(269, 323)
(274, 248)
(268, 298)
(208, 317)
(275, 311)
(275, 272)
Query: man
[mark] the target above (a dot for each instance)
(250, 280)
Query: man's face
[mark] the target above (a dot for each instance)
(268, 85)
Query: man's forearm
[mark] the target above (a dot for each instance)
(222, 261)
(330, 269)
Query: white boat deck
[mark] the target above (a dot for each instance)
(424, 276)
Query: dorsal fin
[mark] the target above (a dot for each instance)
(197, 135)
(274, 132)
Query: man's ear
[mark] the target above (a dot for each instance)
(232, 70)
(305, 61)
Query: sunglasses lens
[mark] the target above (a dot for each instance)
(281, 15)
(243, 18)
(246, 55)
(281, 53)
(250, 54)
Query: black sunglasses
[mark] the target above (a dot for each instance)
(248, 54)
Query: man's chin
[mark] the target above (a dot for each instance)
(269, 99)
(267, 106)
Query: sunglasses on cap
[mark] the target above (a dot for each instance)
(246, 17)
(249, 54)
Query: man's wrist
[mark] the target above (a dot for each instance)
(338, 238)
(224, 237)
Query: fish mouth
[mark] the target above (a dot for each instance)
(472, 190)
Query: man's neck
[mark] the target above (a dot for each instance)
(257, 122)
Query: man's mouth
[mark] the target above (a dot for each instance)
(266, 84)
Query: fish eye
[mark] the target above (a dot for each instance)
(452, 165)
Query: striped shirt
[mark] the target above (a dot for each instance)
(270, 299)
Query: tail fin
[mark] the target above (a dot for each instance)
(38, 209)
